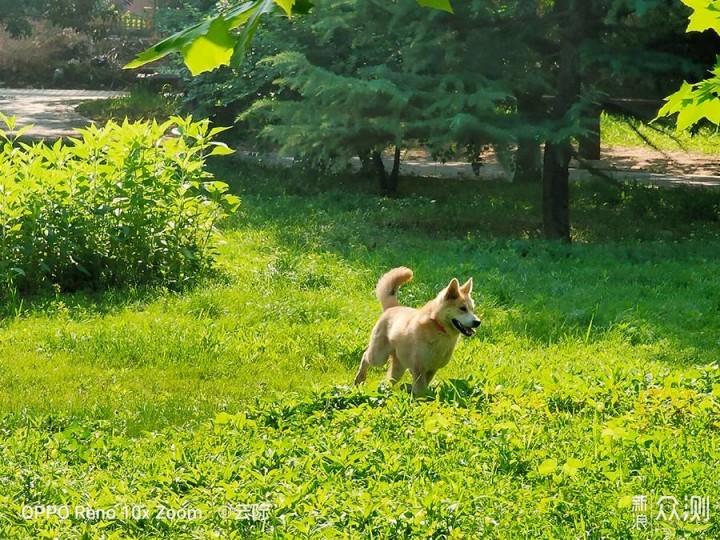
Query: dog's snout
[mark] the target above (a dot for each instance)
(476, 323)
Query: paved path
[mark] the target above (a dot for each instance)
(493, 170)
(52, 112)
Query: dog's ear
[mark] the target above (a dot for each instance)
(453, 290)
(467, 288)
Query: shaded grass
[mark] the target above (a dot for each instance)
(626, 132)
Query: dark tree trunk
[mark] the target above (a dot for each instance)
(572, 16)
(528, 156)
(395, 173)
(377, 161)
(388, 183)
(589, 144)
(556, 190)
(366, 162)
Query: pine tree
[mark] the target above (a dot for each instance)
(374, 75)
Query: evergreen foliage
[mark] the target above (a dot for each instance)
(370, 75)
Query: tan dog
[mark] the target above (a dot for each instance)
(421, 340)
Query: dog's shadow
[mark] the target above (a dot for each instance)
(463, 393)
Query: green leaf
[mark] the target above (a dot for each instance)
(180, 41)
(9, 121)
(676, 101)
(23, 130)
(174, 43)
(220, 149)
(222, 418)
(286, 5)
(231, 202)
(710, 109)
(214, 131)
(706, 16)
(547, 467)
(688, 116)
(210, 50)
(443, 5)
(693, 103)
(245, 38)
(572, 465)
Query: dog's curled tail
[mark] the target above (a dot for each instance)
(389, 284)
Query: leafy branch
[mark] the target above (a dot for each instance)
(701, 100)
(213, 43)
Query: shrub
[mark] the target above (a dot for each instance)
(31, 60)
(122, 205)
(64, 58)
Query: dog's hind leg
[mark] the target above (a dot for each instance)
(396, 369)
(375, 355)
(420, 383)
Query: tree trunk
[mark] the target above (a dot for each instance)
(556, 190)
(589, 144)
(388, 183)
(366, 162)
(395, 173)
(380, 170)
(572, 16)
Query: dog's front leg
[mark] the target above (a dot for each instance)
(362, 370)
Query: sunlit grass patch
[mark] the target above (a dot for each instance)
(592, 380)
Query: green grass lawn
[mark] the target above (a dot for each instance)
(592, 380)
(628, 132)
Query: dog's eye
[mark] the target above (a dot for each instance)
(464, 308)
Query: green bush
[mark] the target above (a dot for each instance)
(122, 205)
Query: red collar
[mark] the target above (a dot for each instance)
(440, 326)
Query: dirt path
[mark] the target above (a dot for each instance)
(652, 161)
(638, 164)
(52, 113)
